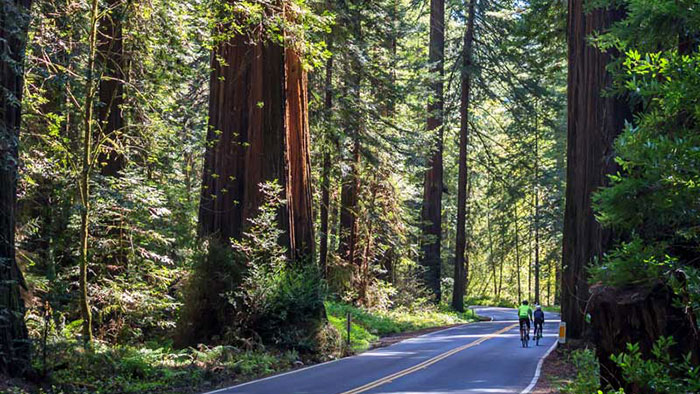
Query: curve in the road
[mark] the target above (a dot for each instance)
(475, 358)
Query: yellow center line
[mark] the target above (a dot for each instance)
(425, 364)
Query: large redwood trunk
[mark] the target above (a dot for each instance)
(460, 276)
(110, 56)
(298, 165)
(245, 141)
(431, 213)
(14, 342)
(593, 123)
(258, 132)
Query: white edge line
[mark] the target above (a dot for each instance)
(535, 378)
(330, 362)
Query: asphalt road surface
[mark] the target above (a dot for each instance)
(484, 357)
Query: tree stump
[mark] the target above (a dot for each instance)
(639, 314)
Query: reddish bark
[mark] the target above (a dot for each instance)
(593, 123)
(258, 133)
(431, 213)
(298, 153)
(245, 141)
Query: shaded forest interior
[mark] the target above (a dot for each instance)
(206, 188)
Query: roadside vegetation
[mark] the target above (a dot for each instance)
(158, 367)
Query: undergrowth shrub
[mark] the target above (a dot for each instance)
(660, 373)
(587, 379)
(278, 301)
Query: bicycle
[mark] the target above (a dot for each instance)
(538, 334)
(524, 335)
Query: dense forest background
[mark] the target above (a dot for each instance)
(202, 186)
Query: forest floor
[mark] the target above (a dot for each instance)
(557, 371)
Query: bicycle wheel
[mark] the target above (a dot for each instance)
(538, 335)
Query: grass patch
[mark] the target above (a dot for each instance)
(368, 325)
(552, 308)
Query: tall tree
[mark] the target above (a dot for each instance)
(594, 121)
(258, 132)
(111, 61)
(326, 165)
(536, 192)
(461, 255)
(14, 343)
(431, 214)
(348, 226)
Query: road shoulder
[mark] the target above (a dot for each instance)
(557, 371)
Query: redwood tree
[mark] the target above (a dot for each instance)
(14, 343)
(110, 55)
(348, 226)
(594, 121)
(461, 257)
(258, 132)
(431, 213)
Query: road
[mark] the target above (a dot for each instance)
(483, 357)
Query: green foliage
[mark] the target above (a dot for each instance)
(587, 379)
(275, 300)
(651, 199)
(291, 23)
(370, 324)
(157, 368)
(661, 373)
(633, 262)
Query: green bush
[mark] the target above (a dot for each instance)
(587, 379)
(661, 373)
(279, 301)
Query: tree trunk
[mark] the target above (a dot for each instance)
(110, 57)
(431, 213)
(326, 170)
(348, 207)
(245, 142)
(537, 210)
(638, 315)
(258, 133)
(14, 342)
(460, 280)
(84, 180)
(593, 123)
(348, 227)
(298, 160)
(517, 251)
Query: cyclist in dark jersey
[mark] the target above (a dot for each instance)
(539, 318)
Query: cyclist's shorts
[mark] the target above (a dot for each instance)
(524, 321)
(539, 321)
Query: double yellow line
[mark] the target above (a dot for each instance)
(425, 364)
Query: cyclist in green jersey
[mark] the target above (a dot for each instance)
(525, 314)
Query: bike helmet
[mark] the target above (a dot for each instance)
(524, 302)
(538, 307)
